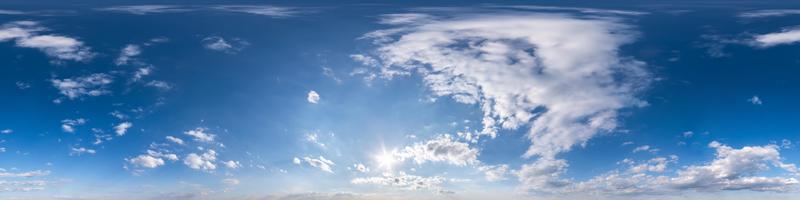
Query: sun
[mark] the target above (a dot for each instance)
(385, 160)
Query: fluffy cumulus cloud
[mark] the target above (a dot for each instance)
(312, 97)
(146, 161)
(204, 161)
(152, 159)
(28, 34)
(89, 85)
(561, 75)
(443, 148)
(201, 135)
(320, 163)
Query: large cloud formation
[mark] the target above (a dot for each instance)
(559, 75)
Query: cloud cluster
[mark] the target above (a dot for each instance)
(204, 161)
(89, 85)
(28, 34)
(440, 149)
(732, 169)
(404, 181)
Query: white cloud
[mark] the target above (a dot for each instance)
(755, 100)
(175, 140)
(787, 36)
(23, 85)
(35, 173)
(732, 169)
(314, 138)
(141, 73)
(230, 181)
(736, 169)
(440, 149)
(127, 54)
(27, 34)
(404, 181)
(265, 10)
(146, 161)
(201, 162)
(217, 43)
(495, 172)
(122, 128)
(146, 9)
(7, 131)
(232, 164)
(542, 175)
(361, 168)
(644, 148)
(321, 163)
(769, 13)
(296, 160)
(313, 97)
(200, 134)
(557, 74)
(81, 150)
(160, 154)
(89, 85)
(658, 164)
(68, 125)
(688, 134)
(161, 85)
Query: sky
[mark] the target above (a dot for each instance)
(417, 100)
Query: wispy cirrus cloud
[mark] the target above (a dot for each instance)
(260, 10)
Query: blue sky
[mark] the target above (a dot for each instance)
(423, 100)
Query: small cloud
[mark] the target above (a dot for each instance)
(122, 128)
(313, 97)
(201, 135)
(79, 151)
(232, 164)
(755, 100)
(146, 161)
(68, 125)
(23, 85)
(175, 140)
(127, 54)
(217, 43)
(645, 148)
(6, 131)
(688, 134)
